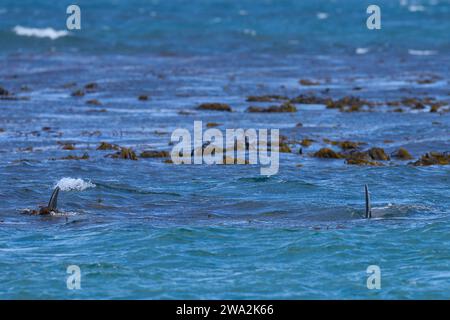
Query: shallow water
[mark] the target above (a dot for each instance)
(149, 229)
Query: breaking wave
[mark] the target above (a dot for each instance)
(40, 33)
(68, 184)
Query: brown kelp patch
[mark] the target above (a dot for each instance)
(108, 146)
(345, 144)
(402, 154)
(154, 154)
(85, 156)
(266, 98)
(215, 107)
(67, 145)
(124, 153)
(433, 158)
(307, 82)
(327, 153)
(285, 107)
(349, 104)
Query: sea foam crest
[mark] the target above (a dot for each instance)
(40, 33)
(68, 184)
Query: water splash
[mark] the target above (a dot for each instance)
(69, 184)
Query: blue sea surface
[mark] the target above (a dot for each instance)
(148, 229)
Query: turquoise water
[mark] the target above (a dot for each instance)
(151, 230)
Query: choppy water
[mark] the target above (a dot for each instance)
(148, 229)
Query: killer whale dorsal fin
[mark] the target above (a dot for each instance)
(368, 205)
(53, 203)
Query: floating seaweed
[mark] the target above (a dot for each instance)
(345, 144)
(306, 82)
(124, 153)
(378, 154)
(215, 107)
(285, 107)
(108, 146)
(309, 99)
(78, 93)
(85, 156)
(67, 146)
(327, 153)
(348, 104)
(283, 147)
(433, 158)
(91, 86)
(402, 154)
(4, 92)
(266, 98)
(154, 154)
(94, 102)
(362, 162)
(306, 142)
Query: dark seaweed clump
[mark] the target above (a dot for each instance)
(266, 98)
(285, 107)
(215, 107)
(108, 146)
(154, 154)
(124, 153)
(402, 154)
(433, 158)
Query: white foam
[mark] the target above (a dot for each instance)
(416, 8)
(361, 50)
(322, 15)
(68, 184)
(421, 52)
(40, 33)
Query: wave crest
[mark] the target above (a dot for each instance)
(40, 33)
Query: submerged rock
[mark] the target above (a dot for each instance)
(215, 107)
(402, 154)
(285, 107)
(433, 158)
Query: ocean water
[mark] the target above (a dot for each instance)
(148, 229)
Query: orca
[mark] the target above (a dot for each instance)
(52, 206)
(368, 205)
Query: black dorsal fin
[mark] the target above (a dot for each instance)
(53, 203)
(368, 205)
